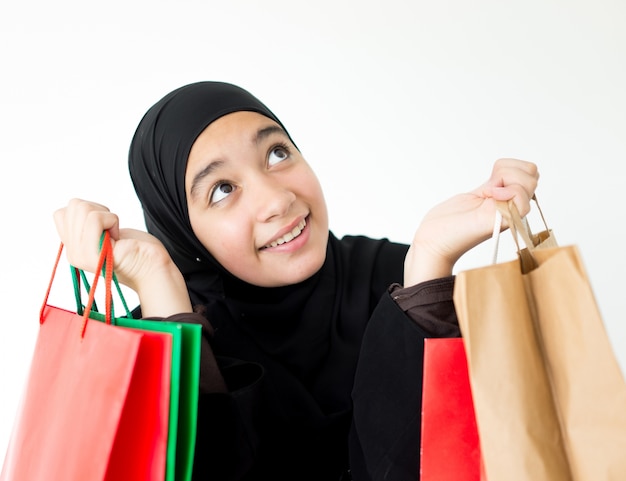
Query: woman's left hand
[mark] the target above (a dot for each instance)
(455, 226)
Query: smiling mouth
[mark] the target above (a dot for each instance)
(289, 236)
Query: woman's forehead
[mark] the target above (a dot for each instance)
(234, 132)
(242, 126)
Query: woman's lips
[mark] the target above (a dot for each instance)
(289, 236)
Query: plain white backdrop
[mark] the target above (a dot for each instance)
(397, 104)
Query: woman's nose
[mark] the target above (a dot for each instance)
(272, 199)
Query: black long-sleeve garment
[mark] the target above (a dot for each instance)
(288, 372)
(278, 421)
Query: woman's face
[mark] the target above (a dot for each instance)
(254, 202)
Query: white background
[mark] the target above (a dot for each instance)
(397, 104)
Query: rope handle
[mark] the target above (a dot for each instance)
(78, 276)
(105, 265)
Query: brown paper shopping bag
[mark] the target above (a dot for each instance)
(549, 396)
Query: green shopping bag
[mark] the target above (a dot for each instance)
(184, 379)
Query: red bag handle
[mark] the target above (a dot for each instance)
(105, 261)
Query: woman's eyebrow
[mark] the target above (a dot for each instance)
(209, 169)
(265, 132)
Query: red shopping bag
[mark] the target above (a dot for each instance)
(450, 448)
(95, 404)
(185, 375)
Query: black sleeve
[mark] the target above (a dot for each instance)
(387, 392)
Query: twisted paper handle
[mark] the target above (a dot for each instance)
(518, 226)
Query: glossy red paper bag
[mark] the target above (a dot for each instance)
(450, 445)
(95, 404)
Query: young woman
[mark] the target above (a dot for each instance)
(312, 347)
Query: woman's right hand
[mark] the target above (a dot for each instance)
(141, 262)
(460, 223)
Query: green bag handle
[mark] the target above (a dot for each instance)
(78, 274)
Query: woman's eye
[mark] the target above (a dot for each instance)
(278, 154)
(221, 191)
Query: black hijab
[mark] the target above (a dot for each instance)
(307, 336)
(158, 161)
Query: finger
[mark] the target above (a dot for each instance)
(516, 192)
(512, 179)
(80, 226)
(59, 222)
(505, 164)
(513, 171)
(93, 215)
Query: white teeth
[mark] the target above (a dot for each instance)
(289, 236)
